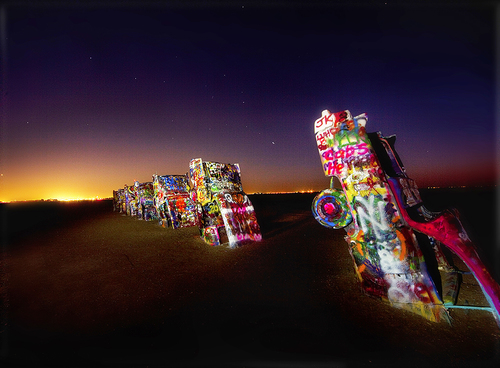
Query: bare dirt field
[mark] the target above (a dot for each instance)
(109, 290)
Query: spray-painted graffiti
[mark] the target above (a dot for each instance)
(197, 177)
(371, 216)
(223, 177)
(332, 209)
(119, 200)
(131, 205)
(210, 196)
(388, 258)
(146, 209)
(173, 202)
(226, 213)
(239, 218)
(210, 214)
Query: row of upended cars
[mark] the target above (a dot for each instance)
(210, 196)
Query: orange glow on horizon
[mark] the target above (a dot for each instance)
(43, 191)
(67, 182)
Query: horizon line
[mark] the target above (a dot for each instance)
(97, 198)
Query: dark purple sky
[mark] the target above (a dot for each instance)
(97, 97)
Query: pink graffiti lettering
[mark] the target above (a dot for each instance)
(239, 210)
(331, 168)
(328, 155)
(340, 154)
(359, 149)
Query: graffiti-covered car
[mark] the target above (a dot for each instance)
(396, 244)
(146, 209)
(131, 203)
(173, 201)
(226, 213)
(118, 200)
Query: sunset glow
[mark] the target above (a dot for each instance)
(97, 98)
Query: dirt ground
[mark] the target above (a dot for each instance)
(113, 291)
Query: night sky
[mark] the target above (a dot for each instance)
(95, 97)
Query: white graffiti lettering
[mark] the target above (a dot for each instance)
(229, 197)
(367, 214)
